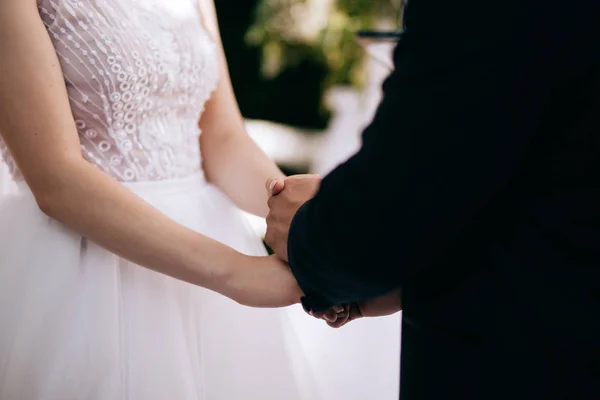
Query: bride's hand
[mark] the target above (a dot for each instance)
(265, 282)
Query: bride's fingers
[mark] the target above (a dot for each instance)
(275, 186)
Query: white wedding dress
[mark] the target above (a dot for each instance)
(80, 323)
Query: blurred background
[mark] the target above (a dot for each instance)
(305, 84)
(307, 88)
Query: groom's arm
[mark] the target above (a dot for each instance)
(458, 113)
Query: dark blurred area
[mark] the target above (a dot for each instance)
(291, 98)
(305, 81)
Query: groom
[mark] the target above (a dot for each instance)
(476, 192)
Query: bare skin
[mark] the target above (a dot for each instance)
(231, 159)
(37, 126)
(283, 205)
(287, 196)
(338, 316)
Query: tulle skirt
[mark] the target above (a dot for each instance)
(78, 322)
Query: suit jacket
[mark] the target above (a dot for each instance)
(477, 191)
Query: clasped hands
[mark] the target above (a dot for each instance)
(286, 197)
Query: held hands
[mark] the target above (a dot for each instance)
(286, 197)
(338, 316)
(283, 205)
(268, 281)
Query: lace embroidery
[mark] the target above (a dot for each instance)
(138, 74)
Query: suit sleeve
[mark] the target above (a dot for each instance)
(458, 113)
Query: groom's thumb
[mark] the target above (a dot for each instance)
(275, 186)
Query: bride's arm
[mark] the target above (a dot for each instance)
(37, 125)
(231, 159)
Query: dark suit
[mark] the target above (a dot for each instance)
(477, 190)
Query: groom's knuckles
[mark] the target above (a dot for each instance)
(272, 202)
(338, 323)
(275, 202)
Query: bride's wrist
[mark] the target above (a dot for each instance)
(225, 274)
(209, 264)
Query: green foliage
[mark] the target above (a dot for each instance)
(291, 31)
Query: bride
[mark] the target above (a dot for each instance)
(102, 105)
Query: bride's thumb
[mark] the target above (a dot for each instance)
(275, 186)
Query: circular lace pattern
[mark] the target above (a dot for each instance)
(138, 75)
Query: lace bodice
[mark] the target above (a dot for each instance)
(138, 74)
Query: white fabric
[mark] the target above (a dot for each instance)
(80, 323)
(138, 73)
(7, 184)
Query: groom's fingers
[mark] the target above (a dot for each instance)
(275, 186)
(338, 316)
(355, 311)
(338, 308)
(278, 187)
(350, 313)
(340, 320)
(330, 316)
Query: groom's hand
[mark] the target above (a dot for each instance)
(338, 316)
(284, 202)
